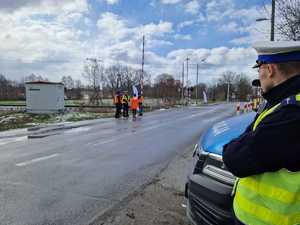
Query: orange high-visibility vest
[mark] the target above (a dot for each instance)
(134, 103)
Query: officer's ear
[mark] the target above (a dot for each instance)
(272, 70)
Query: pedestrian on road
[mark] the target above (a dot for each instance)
(125, 101)
(134, 104)
(118, 104)
(266, 157)
(141, 108)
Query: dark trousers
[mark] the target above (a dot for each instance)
(140, 109)
(118, 110)
(125, 110)
(134, 113)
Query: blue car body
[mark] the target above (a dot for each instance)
(221, 133)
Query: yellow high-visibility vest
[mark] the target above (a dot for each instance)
(271, 198)
(125, 99)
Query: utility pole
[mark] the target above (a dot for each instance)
(95, 66)
(182, 85)
(143, 61)
(228, 87)
(273, 20)
(197, 83)
(119, 82)
(187, 71)
(187, 78)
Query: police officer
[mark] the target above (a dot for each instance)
(125, 102)
(266, 157)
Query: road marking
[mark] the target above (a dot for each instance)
(36, 160)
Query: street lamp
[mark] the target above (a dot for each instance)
(272, 20)
(197, 83)
(261, 19)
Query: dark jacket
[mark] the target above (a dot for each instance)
(275, 143)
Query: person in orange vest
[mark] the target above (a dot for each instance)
(118, 104)
(134, 104)
(141, 100)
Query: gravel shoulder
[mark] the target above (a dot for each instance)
(157, 203)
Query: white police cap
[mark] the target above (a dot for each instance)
(277, 51)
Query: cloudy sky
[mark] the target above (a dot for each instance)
(53, 38)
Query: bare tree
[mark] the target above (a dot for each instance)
(167, 88)
(130, 77)
(122, 78)
(11, 90)
(112, 78)
(94, 74)
(78, 89)
(68, 82)
(32, 77)
(3, 87)
(289, 19)
(227, 78)
(243, 87)
(239, 84)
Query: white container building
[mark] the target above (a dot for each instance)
(44, 97)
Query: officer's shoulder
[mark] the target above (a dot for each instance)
(291, 102)
(289, 111)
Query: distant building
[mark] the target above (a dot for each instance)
(44, 97)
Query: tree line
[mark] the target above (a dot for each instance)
(102, 83)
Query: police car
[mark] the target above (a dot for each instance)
(208, 189)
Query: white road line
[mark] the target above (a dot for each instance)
(36, 160)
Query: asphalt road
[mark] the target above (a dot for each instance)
(73, 176)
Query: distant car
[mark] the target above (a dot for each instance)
(209, 187)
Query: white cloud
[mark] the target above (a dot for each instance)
(112, 2)
(44, 39)
(112, 27)
(159, 29)
(170, 1)
(185, 24)
(233, 27)
(217, 61)
(39, 40)
(157, 43)
(248, 15)
(192, 7)
(46, 7)
(115, 28)
(216, 10)
(186, 37)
